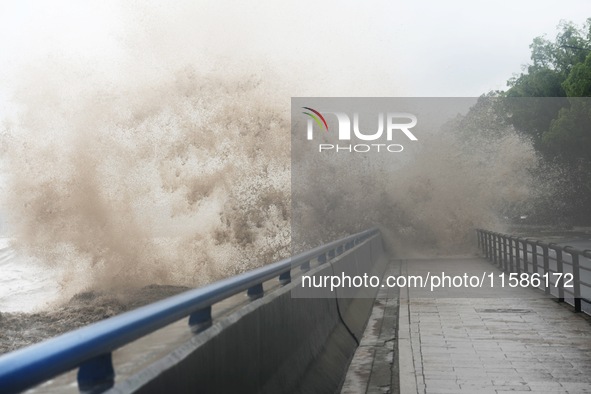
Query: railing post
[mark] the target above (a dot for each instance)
(534, 255)
(505, 260)
(517, 255)
(491, 250)
(285, 278)
(525, 263)
(494, 237)
(331, 254)
(510, 253)
(500, 250)
(96, 374)
(200, 320)
(304, 267)
(500, 245)
(546, 266)
(255, 292)
(576, 278)
(559, 268)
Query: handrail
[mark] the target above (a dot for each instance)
(490, 243)
(90, 347)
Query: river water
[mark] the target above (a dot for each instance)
(25, 284)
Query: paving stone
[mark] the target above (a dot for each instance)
(577, 387)
(509, 340)
(513, 388)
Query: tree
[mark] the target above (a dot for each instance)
(578, 82)
(560, 68)
(569, 135)
(549, 102)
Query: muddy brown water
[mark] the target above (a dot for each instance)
(18, 330)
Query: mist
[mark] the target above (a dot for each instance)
(462, 173)
(154, 146)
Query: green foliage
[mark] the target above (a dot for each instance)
(578, 82)
(538, 82)
(532, 115)
(560, 68)
(550, 103)
(569, 135)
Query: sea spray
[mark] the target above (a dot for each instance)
(429, 197)
(153, 148)
(182, 182)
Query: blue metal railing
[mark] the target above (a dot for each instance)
(90, 348)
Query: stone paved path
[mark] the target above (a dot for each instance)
(489, 340)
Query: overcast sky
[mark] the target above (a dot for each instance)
(358, 48)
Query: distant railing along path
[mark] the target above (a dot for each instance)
(563, 271)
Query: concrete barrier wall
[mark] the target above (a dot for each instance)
(356, 304)
(277, 344)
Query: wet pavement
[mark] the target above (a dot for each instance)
(489, 339)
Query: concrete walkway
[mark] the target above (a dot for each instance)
(374, 368)
(488, 339)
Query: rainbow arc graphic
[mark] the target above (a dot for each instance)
(317, 116)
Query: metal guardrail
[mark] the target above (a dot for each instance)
(557, 267)
(90, 348)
